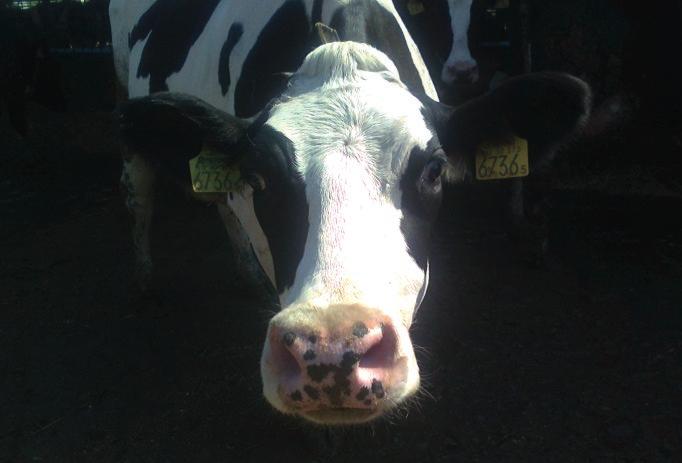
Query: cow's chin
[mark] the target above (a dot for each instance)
(341, 416)
(356, 416)
(347, 416)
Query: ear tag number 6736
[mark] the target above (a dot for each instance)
(212, 174)
(494, 162)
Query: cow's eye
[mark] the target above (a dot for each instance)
(433, 170)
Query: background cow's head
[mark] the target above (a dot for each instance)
(460, 66)
(346, 170)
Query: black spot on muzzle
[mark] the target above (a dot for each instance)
(360, 330)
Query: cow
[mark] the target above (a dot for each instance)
(342, 165)
(27, 70)
(460, 66)
(434, 23)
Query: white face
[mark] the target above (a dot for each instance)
(353, 126)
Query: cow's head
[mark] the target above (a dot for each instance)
(346, 169)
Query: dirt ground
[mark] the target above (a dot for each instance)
(578, 362)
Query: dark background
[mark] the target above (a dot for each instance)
(576, 360)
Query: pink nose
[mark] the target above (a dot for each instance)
(350, 368)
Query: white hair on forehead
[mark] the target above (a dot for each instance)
(343, 60)
(347, 97)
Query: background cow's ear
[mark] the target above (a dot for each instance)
(544, 108)
(176, 126)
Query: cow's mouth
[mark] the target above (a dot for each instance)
(341, 416)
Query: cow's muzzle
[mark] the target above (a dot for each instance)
(335, 366)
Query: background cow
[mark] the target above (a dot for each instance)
(441, 29)
(460, 66)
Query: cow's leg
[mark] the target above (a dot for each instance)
(137, 182)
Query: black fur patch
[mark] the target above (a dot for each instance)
(360, 330)
(281, 208)
(362, 395)
(378, 389)
(172, 27)
(316, 14)
(420, 202)
(233, 36)
(341, 383)
(288, 338)
(318, 372)
(281, 47)
(312, 392)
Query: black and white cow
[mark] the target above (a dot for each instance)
(434, 23)
(460, 66)
(344, 164)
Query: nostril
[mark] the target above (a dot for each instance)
(382, 354)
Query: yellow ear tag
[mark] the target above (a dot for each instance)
(415, 7)
(211, 173)
(494, 161)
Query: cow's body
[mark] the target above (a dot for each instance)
(232, 58)
(343, 164)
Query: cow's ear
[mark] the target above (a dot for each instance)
(169, 127)
(545, 109)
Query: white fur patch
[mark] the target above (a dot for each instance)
(353, 124)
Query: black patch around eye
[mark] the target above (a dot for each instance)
(281, 207)
(421, 197)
